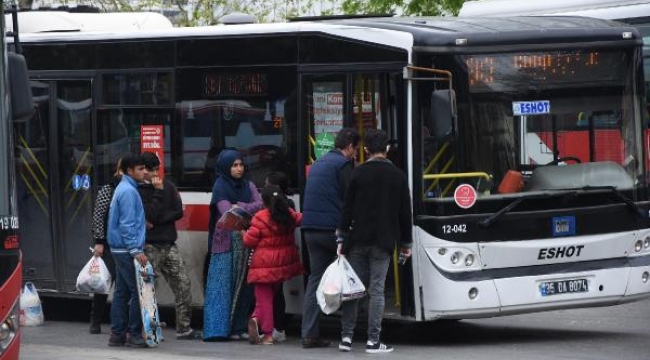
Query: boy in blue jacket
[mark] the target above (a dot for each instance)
(126, 234)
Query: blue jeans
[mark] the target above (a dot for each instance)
(125, 299)
(371, 265)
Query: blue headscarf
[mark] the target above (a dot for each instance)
(227, 187)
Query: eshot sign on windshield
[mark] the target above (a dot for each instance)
(537, 107)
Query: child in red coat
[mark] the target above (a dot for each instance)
(274, 260)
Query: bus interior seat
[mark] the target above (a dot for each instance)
(512, 182)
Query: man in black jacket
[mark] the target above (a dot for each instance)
(163, 206)
(376, 217)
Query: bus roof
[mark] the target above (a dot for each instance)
(489, 31)
(61, 21)
(603, 9)
(399, 32)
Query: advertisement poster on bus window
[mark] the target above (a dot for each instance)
(152, 139)
(328, 115)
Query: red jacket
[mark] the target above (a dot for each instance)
(275, 257)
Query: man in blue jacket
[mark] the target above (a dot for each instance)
(323, 201)
(126, 235)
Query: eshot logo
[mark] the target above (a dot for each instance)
(537, 107)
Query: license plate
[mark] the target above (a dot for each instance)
(563, 287)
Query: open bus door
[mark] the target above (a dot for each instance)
(334, 100)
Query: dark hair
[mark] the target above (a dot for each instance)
(375, 141)
(275, 200)
(130, 161)
(150, 159)
(279, 179)
(346, 137)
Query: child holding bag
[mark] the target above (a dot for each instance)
(274, 260)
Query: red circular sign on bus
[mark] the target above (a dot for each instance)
(465, 196)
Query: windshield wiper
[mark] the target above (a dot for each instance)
(485, 223)
(630, 204)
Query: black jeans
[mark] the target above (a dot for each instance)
(322, 252)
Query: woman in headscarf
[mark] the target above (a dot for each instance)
(228, 299)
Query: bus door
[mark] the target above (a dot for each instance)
(362, 101)
(54, 176)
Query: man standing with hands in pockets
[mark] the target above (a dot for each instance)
(126, 233)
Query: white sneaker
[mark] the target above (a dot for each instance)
(345, 344)
(279, 336)
(378, 348)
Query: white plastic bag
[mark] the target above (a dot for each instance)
(31, 312)
(330, 288)
(94, 277)
(353, 288)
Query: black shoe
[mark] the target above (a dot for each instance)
(309, 343)
(378, 348)
(116, 340)
(95, 328)
(136, 342)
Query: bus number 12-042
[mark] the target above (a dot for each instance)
(454, 229)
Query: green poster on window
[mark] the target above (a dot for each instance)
(324, 143)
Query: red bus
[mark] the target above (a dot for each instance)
(14, 84)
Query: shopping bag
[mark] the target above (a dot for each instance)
(234, 219)
(31, 311)
(353, 288)
(94, 277)
(328, 293)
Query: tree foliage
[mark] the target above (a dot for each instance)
(403, 7)
(208, 12)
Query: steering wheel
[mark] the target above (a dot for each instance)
(564, 159)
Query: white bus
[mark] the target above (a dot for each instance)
(554, 108)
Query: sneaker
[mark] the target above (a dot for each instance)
(136, 342)
(378, 348)
(253, 331)
(279, 335)
(310, 343)
(116, 340)
(242, 336)
(267, 339)
(190, 335)
(345, 344)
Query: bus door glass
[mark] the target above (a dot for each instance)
(33, 189)
(75, 169)
(54, 168)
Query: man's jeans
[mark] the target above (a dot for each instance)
(125, 299)
(322, 252)
(371, 264)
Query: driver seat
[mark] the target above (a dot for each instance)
(512, 182)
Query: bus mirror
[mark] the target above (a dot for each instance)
(443, 113)
(22, 103)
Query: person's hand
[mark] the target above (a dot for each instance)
(157, 182)
(142, 259)
(407, 252)
(149, 225)
(98, 250)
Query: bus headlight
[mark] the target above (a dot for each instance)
(455, 257)
(638, 245)
(646, 242)
(9, 328)
(644, 277)
(469, 260)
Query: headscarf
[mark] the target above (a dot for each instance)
(227, 187)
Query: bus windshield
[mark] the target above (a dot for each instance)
(536, 122)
